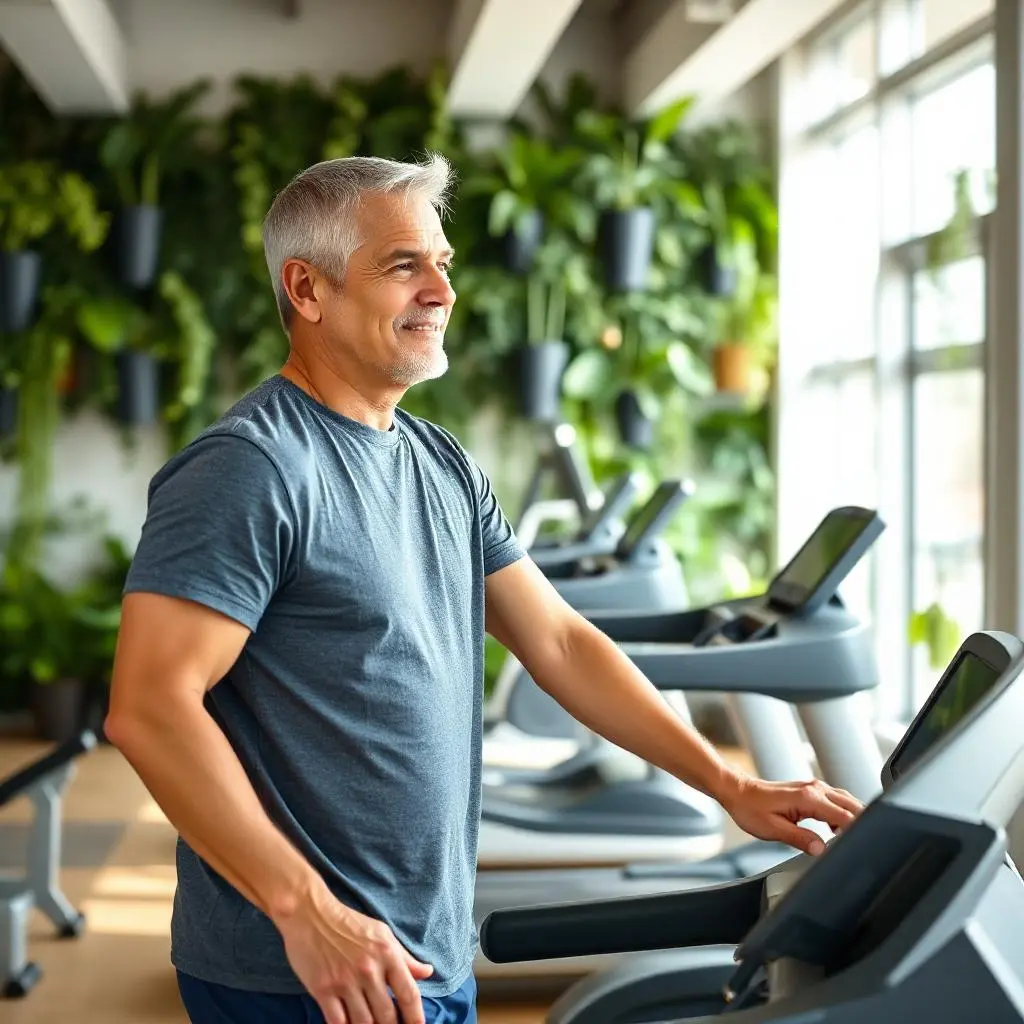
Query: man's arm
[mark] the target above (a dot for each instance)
(170, 652)
(590, 676)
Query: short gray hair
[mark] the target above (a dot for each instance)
(313, 217)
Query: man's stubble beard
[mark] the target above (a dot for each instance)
(416, 369)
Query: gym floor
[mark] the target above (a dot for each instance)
(119, 870)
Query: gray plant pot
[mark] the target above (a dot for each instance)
(20, 274)
(137, 237)
(541, 367)
(627, 248)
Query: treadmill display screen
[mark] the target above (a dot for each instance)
(667, 494)
(969, 681)
(819, 556)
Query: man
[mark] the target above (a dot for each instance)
(298, 678)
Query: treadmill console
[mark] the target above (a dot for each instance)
(653, 516)
(890, 860)
(971, 676)
(813, 575)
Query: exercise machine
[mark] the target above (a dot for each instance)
(558, 464)
(795, 646)
(640, 573)
(600, 530)
(43, 782)
(912, 913)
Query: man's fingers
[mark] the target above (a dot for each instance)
(847, 800)
(381, 1005)
(407, 995)
(800, 838)
(418, 968)
(357, 1009)
(333, 1011)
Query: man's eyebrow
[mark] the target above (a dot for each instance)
(415, 254)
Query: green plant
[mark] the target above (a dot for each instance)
(630, 164)
(958, 238)
(141, 147)
(47, 633)
(36, 196)
(940, 634)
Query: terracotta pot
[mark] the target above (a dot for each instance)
(733, 369)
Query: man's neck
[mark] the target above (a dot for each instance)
(326, 385)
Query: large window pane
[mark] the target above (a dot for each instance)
(949, 305)
(953, 129)
(841, 68)
(912, 28)
(949, 510)
(841, 288)
(840, 462)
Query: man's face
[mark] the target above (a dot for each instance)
(392, 309)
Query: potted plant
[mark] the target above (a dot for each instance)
(116, 326)
(40, 636)
(631, 171)
(747, 332)
(643, 364)
(137, 150)
(560, 276)
(530, 189)
(34, 198)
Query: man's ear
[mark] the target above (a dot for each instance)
(304, 286)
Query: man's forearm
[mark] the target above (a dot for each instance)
(194, 775)
(600, 687)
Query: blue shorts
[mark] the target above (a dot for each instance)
(207, 1003)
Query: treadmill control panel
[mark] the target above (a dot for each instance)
(827, 557)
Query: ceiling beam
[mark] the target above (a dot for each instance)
(72, 52)
(679, 58)
(497, 48)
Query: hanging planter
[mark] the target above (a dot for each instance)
(636, 428)
(522, 240)
(57, 708)
(137, 238)
(138, 388)
(20, 273)
(8, 411)
(715, 277)
(540, 376)
(627, 247)
(733, 368)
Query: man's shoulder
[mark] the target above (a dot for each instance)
(258, 438)
(435, 437)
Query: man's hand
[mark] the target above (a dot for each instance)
(347, 962)
(771, 810)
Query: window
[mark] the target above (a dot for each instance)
(883, 313)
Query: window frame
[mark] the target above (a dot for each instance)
(897, 364)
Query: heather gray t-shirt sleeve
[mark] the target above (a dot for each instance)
(501, 547)
(220, 529)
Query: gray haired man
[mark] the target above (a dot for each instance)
(298, 679)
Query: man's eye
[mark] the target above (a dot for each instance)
(404, 266)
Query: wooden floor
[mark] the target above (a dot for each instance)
(122, 878)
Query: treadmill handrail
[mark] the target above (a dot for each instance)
(705, 916)
(617, 500)
(17, 783)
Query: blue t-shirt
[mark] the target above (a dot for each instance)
(357, 558)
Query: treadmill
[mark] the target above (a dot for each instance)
(640, 573)
(913, 913)
(795, 645)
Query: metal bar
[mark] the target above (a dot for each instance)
(1004, 566)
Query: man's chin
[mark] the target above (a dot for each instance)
(420, 370)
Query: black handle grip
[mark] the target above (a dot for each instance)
(706, 916)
